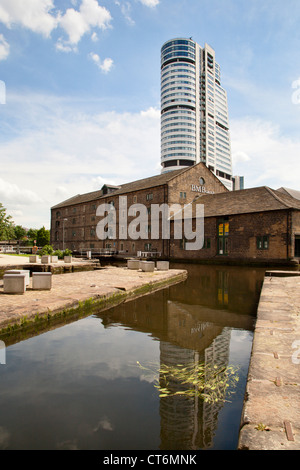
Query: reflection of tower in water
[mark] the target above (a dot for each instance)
(189, 423)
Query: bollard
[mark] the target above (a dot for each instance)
(133, 264)
(147, 266)
(41, 281)
(14, 283)
(20, 271)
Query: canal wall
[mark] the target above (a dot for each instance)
(271, 414)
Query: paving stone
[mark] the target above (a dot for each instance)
(272, 398)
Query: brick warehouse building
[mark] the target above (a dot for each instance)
(74, 221)
(250, 225)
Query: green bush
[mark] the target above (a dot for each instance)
(67, 252)
(59, 254)
(46, 250)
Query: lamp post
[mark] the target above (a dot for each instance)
(64, 233)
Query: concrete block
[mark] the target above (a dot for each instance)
(46, 259)
(133, 264)
(41, 281)
(162, 265)
(54, 259)
(68, 259)
(14, 283)
(20, 271)
(147, 266)
(33, 259)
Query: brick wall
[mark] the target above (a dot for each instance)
(81, 224)
(243, 240)
(188, 184)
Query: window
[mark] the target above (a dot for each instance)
(183, 195)
(297, 246)
(206, 243)
(223, 234)
(147, 247)
(262, 242)
(149, 197)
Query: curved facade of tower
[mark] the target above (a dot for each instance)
(178, 103)
(194, 110)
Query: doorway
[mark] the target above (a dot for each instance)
(297, 246)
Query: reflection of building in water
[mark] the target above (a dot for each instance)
(231, 288)
(191, 423)
(218, 355)
(192, 321)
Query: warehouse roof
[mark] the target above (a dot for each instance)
(133, 186)
(245, 201)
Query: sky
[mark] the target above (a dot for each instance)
(80, 92)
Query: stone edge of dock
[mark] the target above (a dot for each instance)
(271, 413)
(86, 306)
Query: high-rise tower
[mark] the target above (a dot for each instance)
(194, 110)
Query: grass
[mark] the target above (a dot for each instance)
(15, 254)
(206, 381)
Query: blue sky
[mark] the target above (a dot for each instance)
(80, 92)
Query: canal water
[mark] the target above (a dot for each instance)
(82, 385)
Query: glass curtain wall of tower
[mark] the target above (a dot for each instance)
(194, 110)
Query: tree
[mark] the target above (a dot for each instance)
(31, 236)
(20, 232)
(32, 233)
(43, 237)
(6, 225)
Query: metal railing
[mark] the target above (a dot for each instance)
(148, 254)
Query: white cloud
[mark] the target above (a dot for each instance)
(76, 23)
(264, 155)
(126, 11)
(94, 37)
(240, 156)
(61, 152)
(105, 65)
(152, 113)
(61, 46)
(12, 193)
(41, 17)
(33, 14)
(150, 3)
(4, 48)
